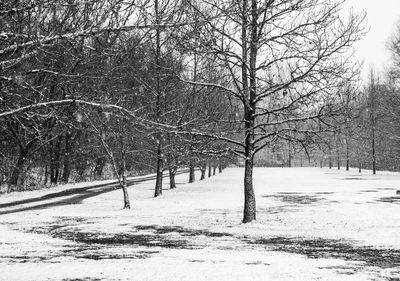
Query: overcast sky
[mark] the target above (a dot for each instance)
(382, 17)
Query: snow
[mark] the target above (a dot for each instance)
(312, 224)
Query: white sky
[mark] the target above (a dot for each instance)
(382, 17)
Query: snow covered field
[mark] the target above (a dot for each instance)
(313, 224)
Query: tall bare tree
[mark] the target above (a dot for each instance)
(284, 60)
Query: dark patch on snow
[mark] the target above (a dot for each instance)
(99, 245)
(88, 190)
(119, 239)
(82, 279)
(330, 248)
(102, 256)
(324, 193)
(99, 252)
(288, 193)
(296, 198)
(344, 269)
(386, 188)
(277, 210)
(223, 212)
(369, 191)
(354, 179)
(392, 199)
(161, 230)
(257, 263)
(200, 261)
(397, 278)
(26, 258)
(77, 196)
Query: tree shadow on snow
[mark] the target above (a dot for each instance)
(296, 198)
(63, 193)
(97, 245)
(81, 194)
(330, 248)
(391, 199)
(82, 279)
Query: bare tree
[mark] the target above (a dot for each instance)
(284, 60)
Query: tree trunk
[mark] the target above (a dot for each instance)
(13, 182)
(214, 170)
(338, 151)
(172, 172)
(249, 213)
(373, 151)
(372, 120)
(347, 154)
(209, 169)
(159, 172)
(219, 167)
(191, 173)
(203, 170)
(46, 173)
(67, 157)
(18, 168)
(55, 161)
(127, 204)
(100, 162)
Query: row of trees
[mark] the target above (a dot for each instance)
(366, 134)
(157, 85)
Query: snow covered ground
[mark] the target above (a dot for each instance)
(312, 224)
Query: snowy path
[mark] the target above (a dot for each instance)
(313, 224)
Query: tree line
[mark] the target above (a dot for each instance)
(365, 133)
(153, 86)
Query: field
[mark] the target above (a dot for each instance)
(312, 224)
